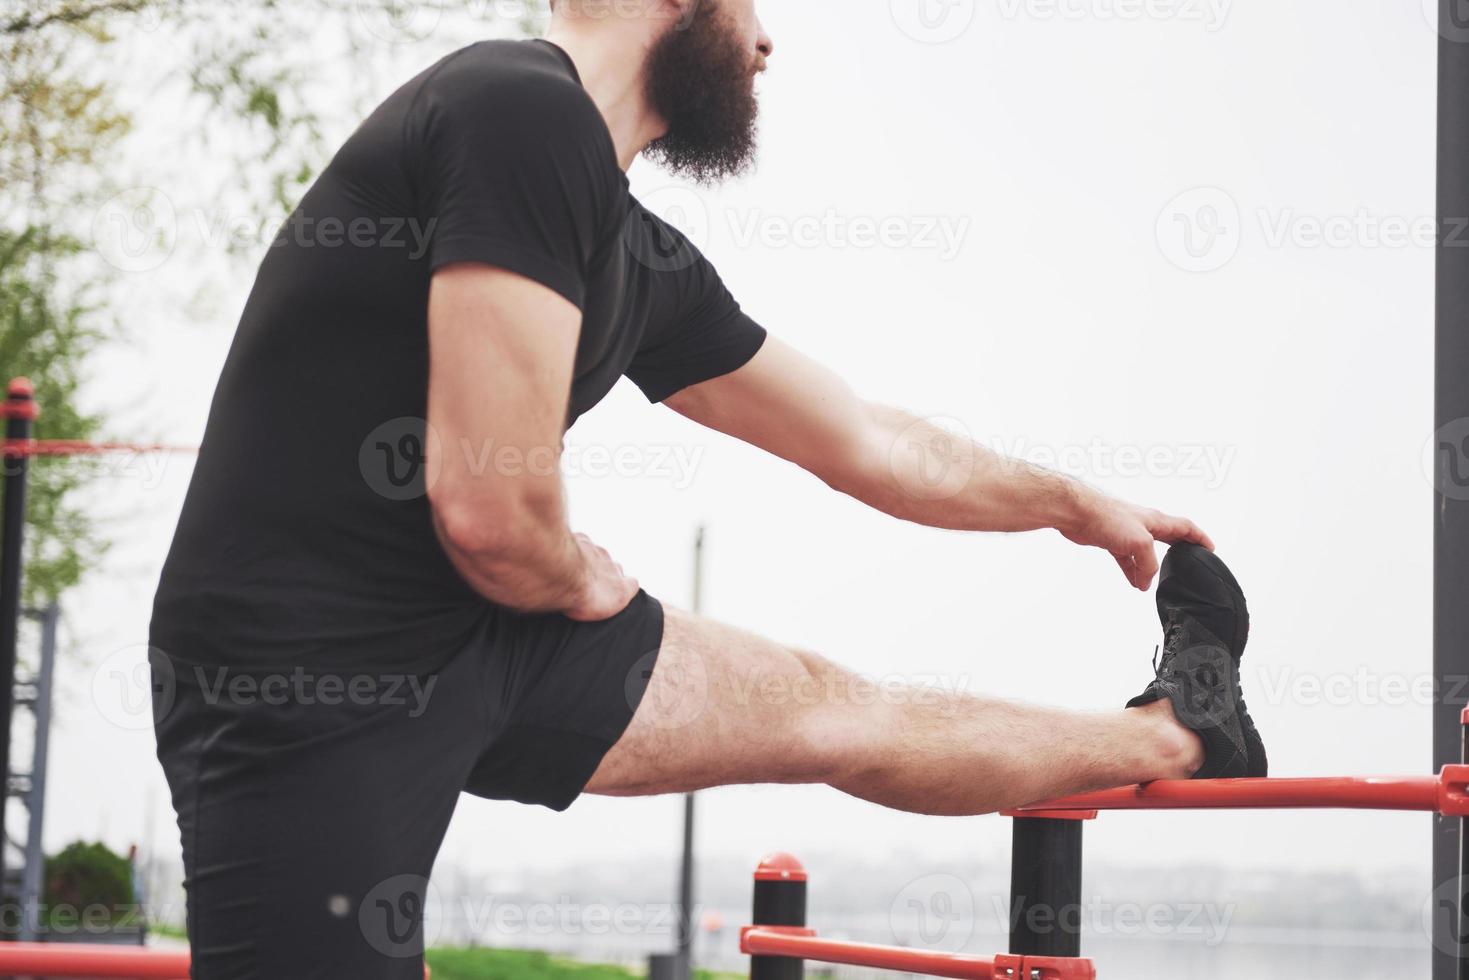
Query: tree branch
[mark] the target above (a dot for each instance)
(32, 21)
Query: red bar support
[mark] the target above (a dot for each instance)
(757, 941)
(762, 941)
(779, 906)
(1444, 793)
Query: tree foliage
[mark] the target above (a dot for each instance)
(263, 71)
(54, 131)
(46, 333)
(88, 885)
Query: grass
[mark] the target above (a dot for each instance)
(509, 964)
(514, 964)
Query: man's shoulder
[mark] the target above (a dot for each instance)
(527, 77)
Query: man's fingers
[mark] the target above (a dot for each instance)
(1125, 563)
(1171, 530)
(1129, 567)
(1145, 564)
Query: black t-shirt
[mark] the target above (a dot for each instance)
(306, 536)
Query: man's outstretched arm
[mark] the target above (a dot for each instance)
(501, 349)
(789, 405)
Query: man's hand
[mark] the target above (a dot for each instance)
(1128, 532)
(606, 589)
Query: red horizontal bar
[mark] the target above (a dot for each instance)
(99, 962)
(1340, 792)
(756, 941)
(19, 448)
(67, 960)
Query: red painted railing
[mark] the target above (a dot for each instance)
(98, 962)
(783, 937)
(804, 944)
(1444, 793)
(67, 960)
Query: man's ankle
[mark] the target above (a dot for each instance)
(1178, 749)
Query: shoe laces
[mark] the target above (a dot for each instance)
(1170, 632)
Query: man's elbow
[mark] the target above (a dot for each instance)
(490, 528)
(858, 462)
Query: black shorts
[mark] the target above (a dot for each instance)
(312, 804)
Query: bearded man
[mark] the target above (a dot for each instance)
(374, 601)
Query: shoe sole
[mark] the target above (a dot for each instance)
(1214, 565)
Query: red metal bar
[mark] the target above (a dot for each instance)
(803, 944)
(98, 962)
(18, 448)
(764, 941)
(1434, 794)
(66, 960)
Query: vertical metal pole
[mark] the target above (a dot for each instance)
(1461, 910)
(32, 874)
(780, 900)
(20, 413)
(1045, 887)
(686, 924)
(1451, 460)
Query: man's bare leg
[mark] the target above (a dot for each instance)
(727, 707)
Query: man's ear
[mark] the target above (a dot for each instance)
(682, 12)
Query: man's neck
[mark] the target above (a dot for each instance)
(610, 58)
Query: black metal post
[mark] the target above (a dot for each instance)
(20, 413)
(1450, 450)
(684, 952)
(1045, 887)
(1461, 909)
(780, 900)
(32, 871)
(686, 924)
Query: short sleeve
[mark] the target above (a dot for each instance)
(513, 168)
(702, 332)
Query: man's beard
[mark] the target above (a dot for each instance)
(700, 80)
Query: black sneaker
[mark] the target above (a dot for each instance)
(1205, 625)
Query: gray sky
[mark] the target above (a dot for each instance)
(1175, 248)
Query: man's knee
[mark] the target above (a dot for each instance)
(838, 726)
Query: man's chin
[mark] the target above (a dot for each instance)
(705, 167)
